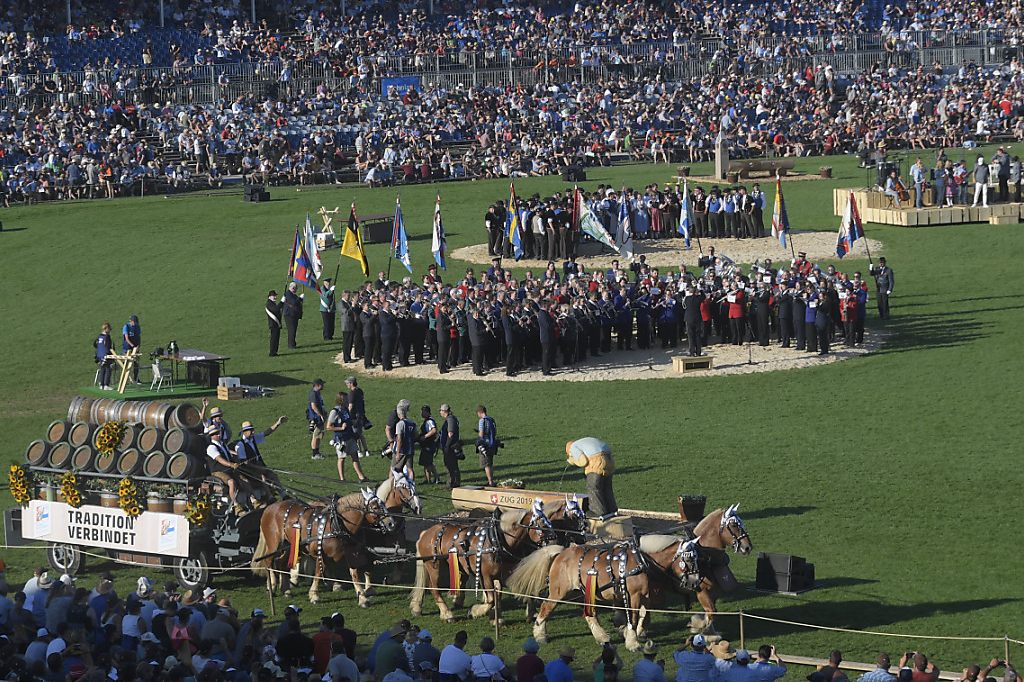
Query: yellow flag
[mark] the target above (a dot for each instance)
(352, 245)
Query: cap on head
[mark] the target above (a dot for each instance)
(247, 426)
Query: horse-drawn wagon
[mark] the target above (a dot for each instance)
(128, 481)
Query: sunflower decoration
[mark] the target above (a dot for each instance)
(197, 511)
(69, 489)
(20, 484)
(109, 437)
(129, 497)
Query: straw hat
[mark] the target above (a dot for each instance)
(723, 650)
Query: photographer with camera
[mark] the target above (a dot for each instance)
(974, 673)
(451, 445)
(923, 669)
(487, 442)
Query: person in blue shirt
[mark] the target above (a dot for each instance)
(104, 346)
(131, 340)
(559, 670)
(486, 442)
(647, 669)
(696, 664)
(769, 666)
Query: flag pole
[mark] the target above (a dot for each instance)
(862, 234)
(291, 262)
(394, 234)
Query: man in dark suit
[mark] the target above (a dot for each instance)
(822, 322)
(476, 332)
(443, 328)
(292, 311)
(510, 329)
(885, 280)
(368, 323)
(388, 336)
(346, 319)
(693, 320)
(274, 321)
(762, 312)
(548, 334)
(785, 299)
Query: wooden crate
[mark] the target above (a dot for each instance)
(684, 364)
(984, 213)
(225, 393)
(1004, 220)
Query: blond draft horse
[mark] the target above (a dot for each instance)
(718, 530)
(487, 550)
(325, 532)
(625, 575)
(634, 577)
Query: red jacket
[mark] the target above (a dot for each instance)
(737, 310)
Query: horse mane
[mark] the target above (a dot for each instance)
(351, 501)
(650, 544)
(386, 486)
(552, 508)
(710, 522)
(511, 519)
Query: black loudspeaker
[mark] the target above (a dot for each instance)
(205, 374)
(1009, 54)
(574, 174)
(783, 573)
(255, 193)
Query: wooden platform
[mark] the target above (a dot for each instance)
(875, 207)
(684, 364)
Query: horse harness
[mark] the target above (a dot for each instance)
(490, 539)
(317, 525)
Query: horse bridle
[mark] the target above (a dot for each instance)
(737, 538)
(689, 564)
(382, 515)
(406, 483)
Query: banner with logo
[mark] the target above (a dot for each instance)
(91, 526)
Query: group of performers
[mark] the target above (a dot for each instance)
(549, 231)
(563, 316)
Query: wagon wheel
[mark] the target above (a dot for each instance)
(193, 572)
(64, 558)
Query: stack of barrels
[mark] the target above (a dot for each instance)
(160, 440)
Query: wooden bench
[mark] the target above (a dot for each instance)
(747, 167)
(684, 364)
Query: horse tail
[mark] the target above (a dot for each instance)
(419, 587)
(531, 575)
(261, 561)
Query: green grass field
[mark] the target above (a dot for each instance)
(896, 473)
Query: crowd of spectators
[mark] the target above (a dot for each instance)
(61, 630)
(114, 129)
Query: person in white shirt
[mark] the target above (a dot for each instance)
(455, 664)
(486, 666)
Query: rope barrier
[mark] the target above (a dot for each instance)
(610, 607)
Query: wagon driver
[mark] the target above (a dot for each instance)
(221, 465)
(247, 453)
(595, 458)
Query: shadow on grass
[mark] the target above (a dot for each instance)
(939, 330)
(272, 379)
(774, 512)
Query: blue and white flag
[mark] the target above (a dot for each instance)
(685, 214)
(399, 239)
(623, 227)
(439, 244)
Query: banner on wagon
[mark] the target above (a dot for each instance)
(106, 527)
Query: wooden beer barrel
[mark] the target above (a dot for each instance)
(83, 459)
(185, 416)
(149, 439)
(159, 504)
(129, 462)
(37, 452)
(105, 464)
(184, 466)
(131, 434)
(80, 434)
(156, 414)
(133, 412)
(154, 464)
(78, 411)
(60, 456)
(57, 431)
(180, 440)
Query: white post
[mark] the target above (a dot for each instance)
(69, 11)
(254, 12)
(161, 13)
